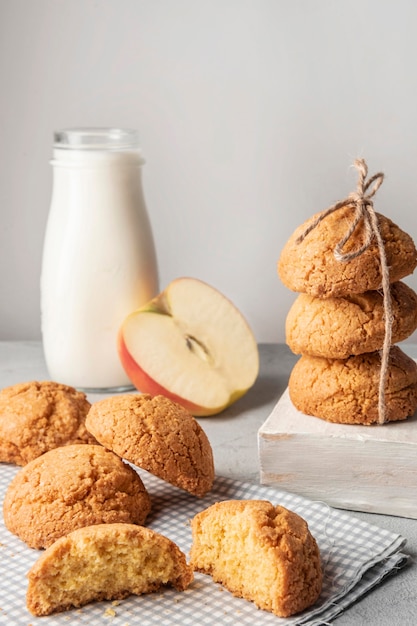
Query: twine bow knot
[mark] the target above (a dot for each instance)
(361, 201)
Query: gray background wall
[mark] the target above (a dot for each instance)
(250, 113)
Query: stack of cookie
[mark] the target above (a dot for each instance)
(337, 323)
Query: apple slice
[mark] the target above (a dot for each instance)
(192, 345)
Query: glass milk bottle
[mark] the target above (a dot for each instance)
(99, 261)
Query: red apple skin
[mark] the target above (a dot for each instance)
(145, 384)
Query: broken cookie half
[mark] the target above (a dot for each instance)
(104, 562)
(260, 552)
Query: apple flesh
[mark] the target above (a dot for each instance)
(192, 345)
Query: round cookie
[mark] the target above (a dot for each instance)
(311, 267)
(38, 416)
(104, 562)
(157, 435)
(346, 390)
(72, 487)
(337, 328)
(260, 552)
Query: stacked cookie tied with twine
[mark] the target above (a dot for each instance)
(347, 264)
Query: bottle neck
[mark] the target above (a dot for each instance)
(96, 158)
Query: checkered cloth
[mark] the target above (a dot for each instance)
(356, 557)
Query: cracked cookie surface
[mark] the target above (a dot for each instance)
(346, 391)
(311, 267)
(38, 416)
(72, 487)
(337, 328)
(157, 435)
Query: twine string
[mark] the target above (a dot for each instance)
(361, 201)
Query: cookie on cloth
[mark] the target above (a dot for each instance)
(346, 391)
(260, 552)
(337, 328)
(38, 416)
(104, 562)
(71, 487)
(157, 435)
(311, 267)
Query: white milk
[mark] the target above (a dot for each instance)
(99, 261)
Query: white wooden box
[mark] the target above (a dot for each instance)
(361, 468)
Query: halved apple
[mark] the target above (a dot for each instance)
(192, 345)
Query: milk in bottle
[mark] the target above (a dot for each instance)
(99, 262)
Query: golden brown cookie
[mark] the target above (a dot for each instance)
(311, 267)
(71, 487)
(346, 390)
(38, 416)
(104, 562)
(157, 435)
(336, 328)
(259, 552)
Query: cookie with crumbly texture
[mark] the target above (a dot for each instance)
(38, 416)
(346, 391)
(71, 487)
(104, 562)
(337, 328)
(311, 267)
(157, 435)
(260, 552)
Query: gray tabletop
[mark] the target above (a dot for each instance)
(233, 436)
